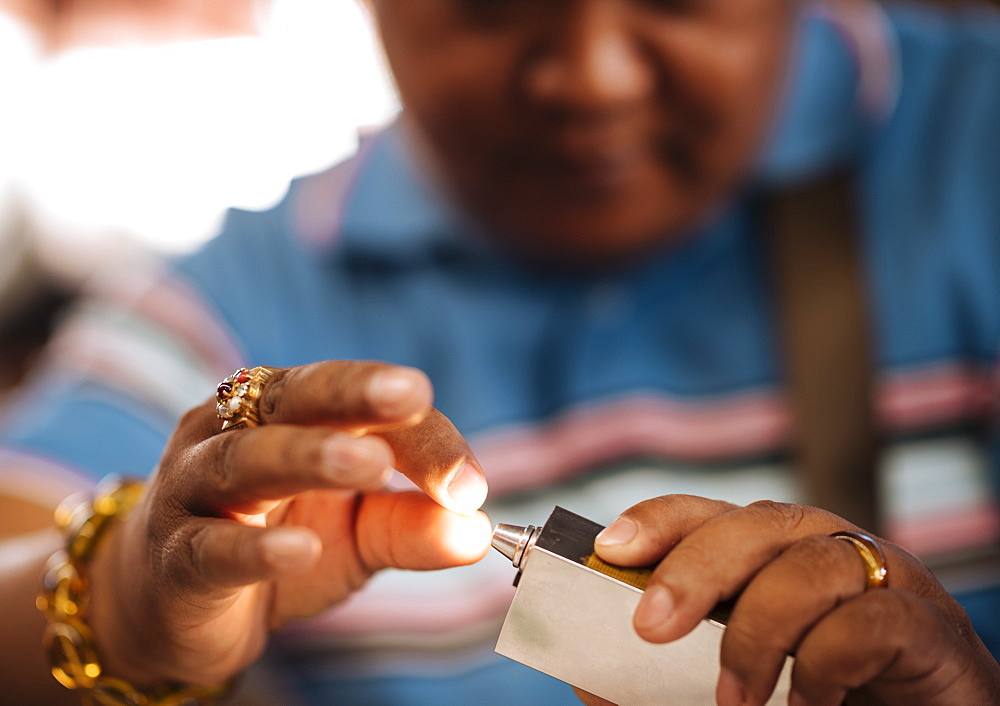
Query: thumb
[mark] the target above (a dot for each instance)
(408, 530)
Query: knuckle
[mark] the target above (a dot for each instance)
(886, 615)
(819, 552)
(662, 506)
(690, 560)
(222, 474)
(817, 560)
(174, 554)
(673, 503)
(747, 644)
(306, 454)
(344, 386)
(888, 607)
(270, 399)
(348, 377)
(785, 516)
(674, 506)
(194, 547)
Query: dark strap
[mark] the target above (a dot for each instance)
(823, 313)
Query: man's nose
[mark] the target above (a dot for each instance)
(591, 58)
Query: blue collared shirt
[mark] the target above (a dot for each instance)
(597, 391)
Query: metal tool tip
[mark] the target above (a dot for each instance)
(506, 538)
(512, 540)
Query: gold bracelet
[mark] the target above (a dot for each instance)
(65, 596)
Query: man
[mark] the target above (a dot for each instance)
(562, 233)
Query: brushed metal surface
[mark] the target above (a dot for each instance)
(575, 624)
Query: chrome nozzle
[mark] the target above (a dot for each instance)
(513, 541)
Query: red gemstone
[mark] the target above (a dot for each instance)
(223, 391)
(243, 376)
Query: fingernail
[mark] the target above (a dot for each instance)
(730, 691)
(621, 531)
(392, 388)
(467, 489)
(655, 607)
(287, 549)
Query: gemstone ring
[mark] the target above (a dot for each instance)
(238, 396)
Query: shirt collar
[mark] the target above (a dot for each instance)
(379, 204)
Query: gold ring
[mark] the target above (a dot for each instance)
(239, 394)
(871, 554)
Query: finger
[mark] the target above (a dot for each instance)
(716, 559)
(407, 530)
(647, 531)
(897, 643)
(356, 395)
(348, 395)
(218, 554)
(251, 470)
(435, 456)
(778, 607)
(392, 401)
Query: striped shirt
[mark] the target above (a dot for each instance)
(589, 392)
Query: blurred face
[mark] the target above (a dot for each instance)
(588, 131)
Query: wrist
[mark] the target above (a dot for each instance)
(123, 640)
(74, 651)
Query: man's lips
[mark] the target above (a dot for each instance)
(604, 168)
(585, 173)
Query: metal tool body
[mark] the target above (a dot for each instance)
(575, 623)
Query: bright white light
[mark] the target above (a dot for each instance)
(157, 141)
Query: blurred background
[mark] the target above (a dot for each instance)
(133, 124)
